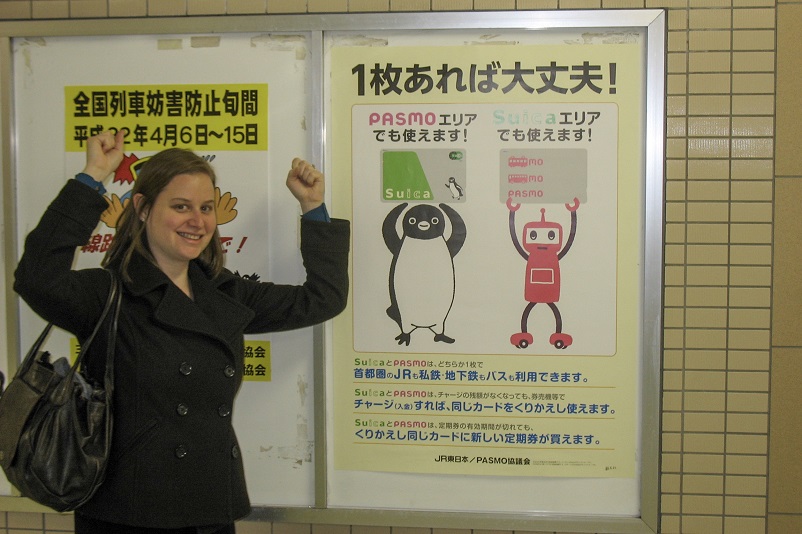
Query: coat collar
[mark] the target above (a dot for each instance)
(212, 313)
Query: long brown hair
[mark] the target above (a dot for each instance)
(154, 175)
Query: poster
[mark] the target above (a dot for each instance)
(233, 99)
(496, 207)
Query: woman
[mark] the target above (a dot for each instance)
(175, 465)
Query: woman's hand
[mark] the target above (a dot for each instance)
(104, 153)
(306, 184)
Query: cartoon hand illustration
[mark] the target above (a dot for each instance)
(224, 207)
(574, 206)
(512, 206)
(113, 212)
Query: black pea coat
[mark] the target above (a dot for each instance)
(178, 363)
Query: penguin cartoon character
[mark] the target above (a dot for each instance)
(422, 282)
(455, 189)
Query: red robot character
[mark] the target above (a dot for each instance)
(542, 248)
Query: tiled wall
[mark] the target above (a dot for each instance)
(733, 346)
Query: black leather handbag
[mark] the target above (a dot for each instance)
(56, 424)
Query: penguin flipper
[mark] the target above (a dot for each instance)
(394, 314)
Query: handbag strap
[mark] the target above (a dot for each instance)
(116, 299)
(62, 392)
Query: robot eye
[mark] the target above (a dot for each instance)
(532, 235)
(435, 220)
(412, 220)
(552, 235)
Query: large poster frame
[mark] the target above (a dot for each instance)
(650, 22)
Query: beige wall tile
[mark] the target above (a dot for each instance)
(709, 83)
(705, 40)
(787, 293)
(21, 520)
(752, 191)
(703, 443)
(359, 529)
(291, 528)
(745, 360)
(751, 212)
(709, 19)
(701, 524)
(536, 4)
(750, 255)
(368, 5)
(286, 6)
(452, 5)
(711, 360)
(254, 527)
(753, 40)
(410, 5)
(128, 8)
(712, 464)
(750, 276)
(749, 318)
(746, 465)
(789, 70)
(755, 169)
(744, 525)
(702, 504)
(785, 469)
(489, 5)
(783, 524)
(703, 422)
(88, 9)
(749, 506)
(246, 7)
(580, 4)
(206, 7)
(327, 6)
(707, 169)
(167, 8)
(15, 9)
(754, 486)
(753, 62)
(707, 275)
(753, 18)
(753, 82)
(330, 529)
(747, 444)
(757, 402)
(708, 126)
(50, 9)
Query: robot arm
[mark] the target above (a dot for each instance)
(513, 208)
(572, 208)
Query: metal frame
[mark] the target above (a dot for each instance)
(653, 21)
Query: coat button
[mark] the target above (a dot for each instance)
(235, 451)
(229, 371)
(182, 409)
(185, 368)
(181, 451)
(223, 410)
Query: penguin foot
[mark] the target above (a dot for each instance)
(403, 339)
(444, 338)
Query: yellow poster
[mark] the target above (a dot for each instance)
(496, 199)
(205, 117)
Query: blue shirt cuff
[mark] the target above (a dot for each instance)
(320, 214)
(91, 182)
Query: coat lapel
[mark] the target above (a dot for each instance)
(212, 313)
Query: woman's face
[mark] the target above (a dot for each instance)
(181, 221)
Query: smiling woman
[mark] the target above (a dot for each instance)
(179, 224)
(175, 464)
